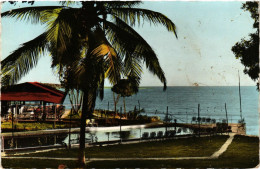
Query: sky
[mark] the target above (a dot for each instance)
(201, 54)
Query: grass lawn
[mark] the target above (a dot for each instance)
(183, 147)
(242, 153)
(28, 163)
(243, 150)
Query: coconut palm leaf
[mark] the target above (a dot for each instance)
(63, 21)
(133, 68)
(130, 43)
(125, 44)
(120, 4)
(99, 63)
(17, 64)
(89, 73)
(120, 39)
(145, 51)
(48, 16)
(68, 3)
(133, 15)
(100, 90)
(113, 66)
(104, 50)
(63, 33)
(31, 13)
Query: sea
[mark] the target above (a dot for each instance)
(183, 103)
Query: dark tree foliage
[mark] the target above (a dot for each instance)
(247, 50)
(126, 87)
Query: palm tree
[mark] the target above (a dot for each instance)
(125, 88)
(87, 44)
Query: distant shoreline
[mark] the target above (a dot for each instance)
(56, 85)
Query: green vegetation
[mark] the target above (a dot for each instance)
(184, 147)
(247, 49)
(73, 116)
(7, 126)
(99, 115)
(243, 149)
(242, 153)
(29, 163)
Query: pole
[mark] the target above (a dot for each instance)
(139, 106)
(140, 133)
(16, 110)
(55, 110)
(175, 122)
(70, 127)
(12, 128)
(166, 121)
(239, 96)
(44, 111)
(226, 112)
(120, 124)
(186, 116)
(3, 144)
(199, 117)
(12, 122)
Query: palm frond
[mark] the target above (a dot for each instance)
(88, 73)
(120, 39)
(30, 13)
(133, 68)
(48, 16)
(133, 15)
(101, 85)
(68, 3)
(120, 4)
(17, 64)
(62, 34)
(126, 40)
(100, 61)
(102, 49)
(112, 63)
(59, 28)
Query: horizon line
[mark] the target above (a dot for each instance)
(176, 85)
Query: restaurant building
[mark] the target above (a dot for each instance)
(31, 101)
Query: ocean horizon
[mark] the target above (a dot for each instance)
(183, 101)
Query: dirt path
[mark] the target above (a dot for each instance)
(224, 147)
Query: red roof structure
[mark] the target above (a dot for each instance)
(32, 91)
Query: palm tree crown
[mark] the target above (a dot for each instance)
(87, 45)
(76, 36)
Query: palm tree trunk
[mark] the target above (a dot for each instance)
(81, 159)
(89, 100)
(124, 107)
